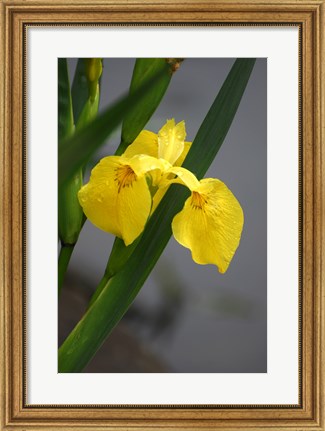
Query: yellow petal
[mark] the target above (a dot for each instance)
(145, 143)
(210, 224)
(163, 190)
(117, 198)
(181, 158)
(134, 205)
(171, 139)
(184, 177)
(98, 197)
(142, 164)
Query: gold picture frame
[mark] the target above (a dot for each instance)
(15, 413)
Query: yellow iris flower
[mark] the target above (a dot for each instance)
(123, 191)
(169, 144)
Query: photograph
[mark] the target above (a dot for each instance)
(199, 304)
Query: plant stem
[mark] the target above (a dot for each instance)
(106, 277)
(117, 259)
(64, 259)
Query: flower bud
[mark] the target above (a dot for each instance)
(94, 70)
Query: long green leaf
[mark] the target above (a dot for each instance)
(71, 217)
(70, 214)
(119, 292)
(69, 211)
(144, 69)
(79, 148)
(65, 114)
(79, 89)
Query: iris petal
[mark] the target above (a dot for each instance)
(145, 143)
(171, 139)
(133, 208)
(181, 158)
(117, 199)
(210, 224)
(98, 197)
(184, 177)
(142, 164)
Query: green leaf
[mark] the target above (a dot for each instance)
(119, 292)
(70, 213)
(65, 114)
(89, 112)
(144, 69)
(117, 259)
(76, 151)
(64, 259)
(79, 89)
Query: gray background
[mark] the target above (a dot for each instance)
(188, 317)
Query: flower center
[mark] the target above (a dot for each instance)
(125, 176)
(198, 201)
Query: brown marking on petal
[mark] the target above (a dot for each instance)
(125, 176)
(198, 201)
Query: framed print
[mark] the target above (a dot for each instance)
(162, 182)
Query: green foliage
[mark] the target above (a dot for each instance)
(136, 119)
(65, 114)
(79, 89)
(70, 213)
(75, 151)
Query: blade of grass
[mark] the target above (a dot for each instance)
(79, 148)
(119, 292)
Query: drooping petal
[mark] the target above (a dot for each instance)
(210, 224)
(183, 176)
(98, 197)
(133, 206)
(145, 143)
(117, 198)
(171, 139)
